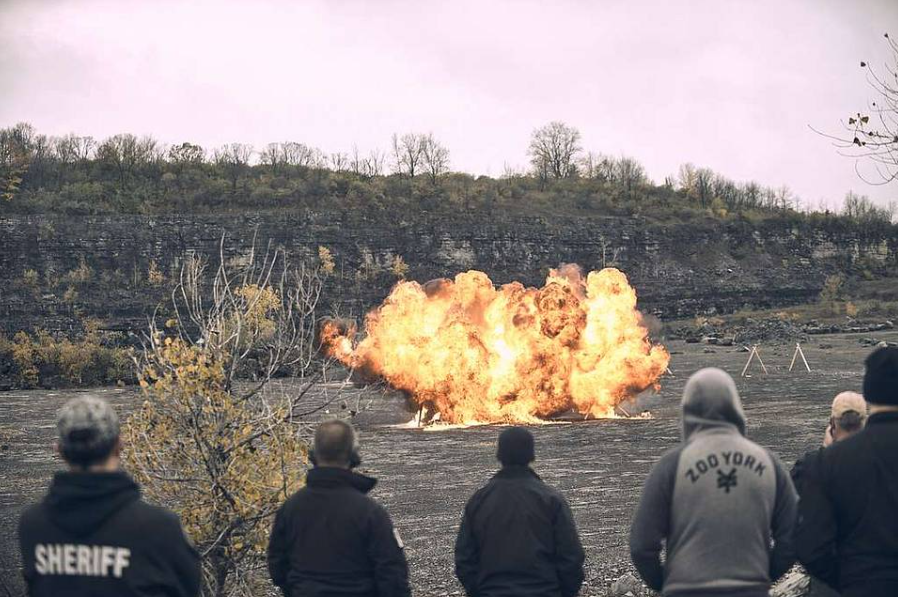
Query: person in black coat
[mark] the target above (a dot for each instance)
(847, 533)
(847, 416)
(92, 534)
(331, 539)
(517, 536)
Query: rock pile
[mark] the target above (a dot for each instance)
(770, 330)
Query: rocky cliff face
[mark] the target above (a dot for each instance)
(55, 271)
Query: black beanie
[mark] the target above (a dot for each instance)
(515, 447)
(881, 378)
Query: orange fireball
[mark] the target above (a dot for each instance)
(477, 354)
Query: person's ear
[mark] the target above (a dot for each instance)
(117, 448)
(355, 458)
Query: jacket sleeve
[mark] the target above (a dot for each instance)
(651, 524)
(815, 536)
(385, 552)
(785, 513)
(569, 554)
(797, 473)
(278, 556)
(182, 560)
(26, 551)
(467, 556)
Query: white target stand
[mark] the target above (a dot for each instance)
(754, 353)
(799, 353)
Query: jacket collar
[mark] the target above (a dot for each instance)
(327, 477)
(516, 472)
(883, 417)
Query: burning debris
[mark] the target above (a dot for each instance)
(467, 352)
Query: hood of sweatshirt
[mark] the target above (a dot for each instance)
(710, 400)
(80, 502)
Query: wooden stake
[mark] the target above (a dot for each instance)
(754, 353)
(750, 357)
(759, 360)
(799, 351)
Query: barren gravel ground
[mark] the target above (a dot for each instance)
(426, 476)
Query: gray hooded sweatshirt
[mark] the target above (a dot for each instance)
(718, 500)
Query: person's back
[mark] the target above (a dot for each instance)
(92, 535)
(518, 537)
(848, 535)
(331, 539)
(719, 500)
(848, 414)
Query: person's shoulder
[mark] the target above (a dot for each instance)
(160, 527)
(671, 455)
(668, 462)
(803, 462)
(846, 448)
(555, 496)
(32, 515)
(810, 455)
(294, 501)
(481, 494)
(157, 519)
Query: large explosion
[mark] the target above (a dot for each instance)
(476, 354)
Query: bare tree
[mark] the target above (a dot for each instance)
(84, 148)
(609, 254)
(751, 194)
(553, 150)
(597, 166)
(356, 162)
(872, 134)
(214, 439)
(435, 157)
(407, 154)
(862, 210)
(629, 173)
(184, 159)
(233, 159)
(41, 160)
(299, 154)
(374, 163)
(339, 162)
(697, 183)
(273, 156)
(125, 155)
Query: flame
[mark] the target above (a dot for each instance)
(476, 354)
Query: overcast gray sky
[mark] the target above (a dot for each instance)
(731, 85)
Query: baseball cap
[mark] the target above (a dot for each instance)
(848, 401)
(88, 429)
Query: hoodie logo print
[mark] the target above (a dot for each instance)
(726, 481)
(732, 459)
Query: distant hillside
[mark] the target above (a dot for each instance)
(56, 271)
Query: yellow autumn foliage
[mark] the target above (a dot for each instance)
(223, 462)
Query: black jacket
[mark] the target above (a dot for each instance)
(518, 538)
(848, 515)
(801, 467)
(331, 539)
(93, 535)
